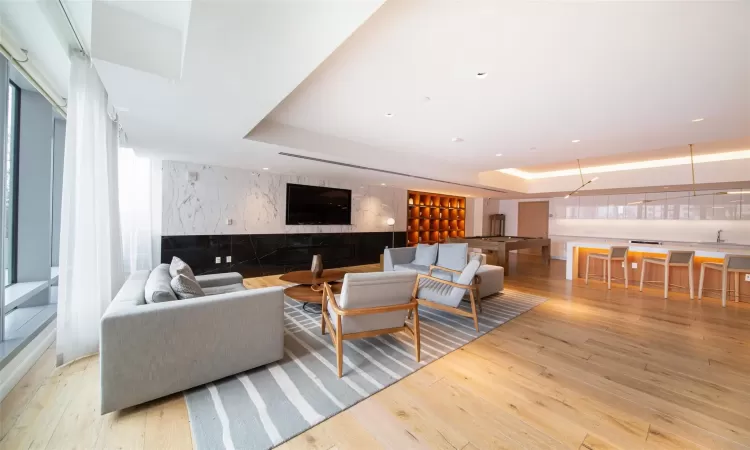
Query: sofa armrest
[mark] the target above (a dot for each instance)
(218, 279)
(393, 256)
(482, 257)
(149, 351)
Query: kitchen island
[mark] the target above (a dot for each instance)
(579, 247)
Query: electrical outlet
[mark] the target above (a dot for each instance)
(218, 260)
(634, 265)
(229, 259)
(229, 221)
(747, 277)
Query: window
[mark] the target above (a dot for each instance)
(11, 153)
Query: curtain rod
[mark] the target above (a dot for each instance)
(42, 90)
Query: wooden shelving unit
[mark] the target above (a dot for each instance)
(432, 218)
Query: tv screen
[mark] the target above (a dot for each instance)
(315, 205)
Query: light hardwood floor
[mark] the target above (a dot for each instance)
(587, 369)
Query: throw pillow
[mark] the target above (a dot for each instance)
(180, 267)
(184, 287)
(426, 254)
(158, 288)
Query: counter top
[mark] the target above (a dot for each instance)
(664, 244)
(708, 250)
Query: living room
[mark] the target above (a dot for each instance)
(374, 224)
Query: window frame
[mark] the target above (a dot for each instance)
(16, 132)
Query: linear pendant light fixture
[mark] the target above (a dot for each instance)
(583, 183)
(695, 194)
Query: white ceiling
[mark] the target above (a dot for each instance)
(619, 76)
(315, 78)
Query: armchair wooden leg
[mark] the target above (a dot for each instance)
(643, 274)
(700, 282)
(417, 343)
(322, 323)
(474, 310)
(666, 280)
(478, 299)
(339, 347)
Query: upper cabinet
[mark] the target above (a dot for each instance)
(678, 206)
(701, 205)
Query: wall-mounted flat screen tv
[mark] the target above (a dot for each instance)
(317, 205)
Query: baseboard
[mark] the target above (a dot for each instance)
(12, 373)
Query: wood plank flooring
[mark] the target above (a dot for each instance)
(588, 369)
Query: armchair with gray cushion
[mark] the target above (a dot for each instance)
(447, 295)
(370, 304)
(156, 348)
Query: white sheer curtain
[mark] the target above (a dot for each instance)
(91, 269)
(136, 208)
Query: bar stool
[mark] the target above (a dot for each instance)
(674, 259)
(736, 264)
(615, 254)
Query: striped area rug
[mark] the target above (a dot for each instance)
(264, 407)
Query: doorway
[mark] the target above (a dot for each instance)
(533, 221)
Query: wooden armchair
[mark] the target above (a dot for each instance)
(370, 304)
(446, 295)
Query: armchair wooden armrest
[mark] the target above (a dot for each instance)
(362, 311)
(440, 280)
(432, 266)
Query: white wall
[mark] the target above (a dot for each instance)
(256, 202)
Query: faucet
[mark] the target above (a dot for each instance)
(719, 240)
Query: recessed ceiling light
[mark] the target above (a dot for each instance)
(575, 141)
(389, 115)
(666, 187)
(265, 168)
(457, 139)
(382, 184)
(481, 75)
(699, 119)
(498, 154)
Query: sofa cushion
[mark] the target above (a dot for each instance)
(184, 287)
(426, 254)
(180, 267)
(452, 256)
(158, 287)
(214, 290)
(411, 267)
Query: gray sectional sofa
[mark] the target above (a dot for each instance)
(149, 350)
(450, 256)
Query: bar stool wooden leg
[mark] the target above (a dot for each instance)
(588, 263)
(643, 273)
(626, 269)
(700, 282)
(608, 273)
(736, 287)
(666, 280)
(724, 276)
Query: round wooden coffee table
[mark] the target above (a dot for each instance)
(309, 288)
